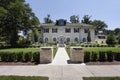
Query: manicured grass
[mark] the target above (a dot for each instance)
(26, 50)
(101, 78)
(68, 51)
(20, 50)
(54, 52)
(22, 78)
(113, 49)
(90, 49)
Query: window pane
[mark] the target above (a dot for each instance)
(67, 30)
(54, 39)
(68, 39)
(54, 30)
(85, 30)
(76, 30)
(46, 30)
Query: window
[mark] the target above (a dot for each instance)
(40, 40)
(101, 37)
(61, 22)
(76, 30)
(54, 39)
(84, 40)
(54, 30)
(46, 40)
(76, 39)
(85, 30)
(68, 39)
(46, 30)
(67, 30)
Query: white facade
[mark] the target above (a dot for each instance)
(65, 33)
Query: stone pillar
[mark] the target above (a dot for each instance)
(46, 54)
(76, 54)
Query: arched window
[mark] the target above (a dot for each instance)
(76, 39)
(84, 40)
(68, 39)
(40, 40)
(46, 40)
(54, 39)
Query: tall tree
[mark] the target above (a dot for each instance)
(100, 25)
(19, 17)
(119, 39)
(86, 19)
(117, 31)
(74, 19)
(111, 40)
(89, 37)
(47, 19)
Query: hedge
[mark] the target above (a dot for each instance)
(19, 57)
(101, 56)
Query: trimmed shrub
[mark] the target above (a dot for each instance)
(11, 57)
(109, 56)
(19, 56)
(117, 56)
(94, 57)
(27, 56)
(87, 57)
(36, 57)
(90, 45)
(102, 56)
(4, 56)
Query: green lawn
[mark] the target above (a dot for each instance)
(101, 78)
(26, 50)
(54, 52)
(22, 78)
(20, 50)
(113, 49)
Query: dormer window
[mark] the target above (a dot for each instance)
(61, 22)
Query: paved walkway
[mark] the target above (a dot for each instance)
(61, 57)
(62, 72)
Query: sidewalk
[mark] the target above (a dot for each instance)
(62, 72)
(61, 57)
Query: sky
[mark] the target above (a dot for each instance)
(104, 10)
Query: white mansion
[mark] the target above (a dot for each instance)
(62, 32)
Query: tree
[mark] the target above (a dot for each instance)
(117, 31)
(74, 19)
(18, 16)
(35, 33)
(47, 19)
(119, 39)
(89, 37)
(100, 25)
(111, 40)
(86, 19)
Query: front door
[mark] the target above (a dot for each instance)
(61, 40)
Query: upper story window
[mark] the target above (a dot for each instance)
(76, 30)
(54, 30)
(61, 22)
(68, 30)
(86, 30)
(46, 30)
